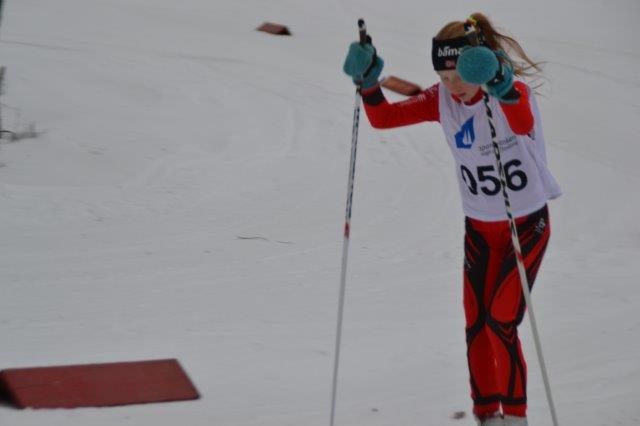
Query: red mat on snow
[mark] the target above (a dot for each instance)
(275, 29)
(97, 385)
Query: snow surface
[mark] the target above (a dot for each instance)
(186, 199)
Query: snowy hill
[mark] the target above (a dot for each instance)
(186, 198)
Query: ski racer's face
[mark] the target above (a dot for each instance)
(452, 81)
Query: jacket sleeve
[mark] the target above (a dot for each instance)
(519, 115)
(385, 115)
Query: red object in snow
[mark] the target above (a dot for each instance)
(276, 29)
(401, 86)
(97, 385)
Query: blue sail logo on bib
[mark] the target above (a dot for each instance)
(466, 136)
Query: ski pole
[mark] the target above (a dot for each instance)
(362, 29)
(520, 261)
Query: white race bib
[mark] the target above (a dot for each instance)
(529, 183)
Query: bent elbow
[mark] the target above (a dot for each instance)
(377, 125)
(377, 121)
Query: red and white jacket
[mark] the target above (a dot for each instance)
(466, 129)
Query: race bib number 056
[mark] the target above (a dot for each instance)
(487, 180)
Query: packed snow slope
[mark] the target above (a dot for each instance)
(186, 197)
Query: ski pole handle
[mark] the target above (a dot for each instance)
(364, 39)
(362, 30)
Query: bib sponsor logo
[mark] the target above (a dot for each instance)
(466, 136)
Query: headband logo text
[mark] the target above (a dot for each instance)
(448, 51)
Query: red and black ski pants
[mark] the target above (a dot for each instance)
(494, 307)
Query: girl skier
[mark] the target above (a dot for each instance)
(470, 58)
